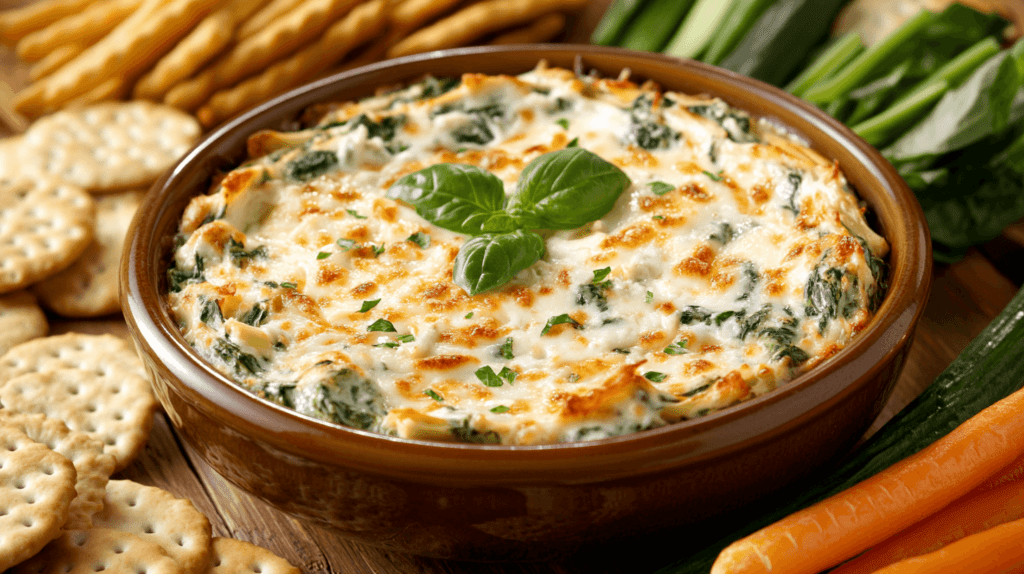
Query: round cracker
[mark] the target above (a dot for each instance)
(112, 145)
(232, 556)
(44, 226)
(99, 550)
(105, 355)
(92, 466)
(21, 319)
(117, 411)
(89, 288)
(156, 515)
(36, 488)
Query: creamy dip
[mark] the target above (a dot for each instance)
(735, 260)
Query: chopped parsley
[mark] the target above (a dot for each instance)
(660, 187)
(377, 250)
(420, 238)
(500, 409)
(563, 122)
(430, 393)
(560, 320)
(508, 374)
(381, 326)
(322, 255)
(469, 315)
(367, 305)
(655, 376)
(649, 297)
(677, 348)
(355, 214)
(714, 176)
(488, 377)
(289, 285)
(506, 350)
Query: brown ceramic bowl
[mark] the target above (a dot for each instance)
(491, 502)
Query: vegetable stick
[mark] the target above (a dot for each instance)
(477, 21)
(54, 60)
(997, 550)
(18, 23)
(846, 524)
(86, 27)
(1013, 472)
(415, 13)
(543, 29)
(976, 512)
(361, 24)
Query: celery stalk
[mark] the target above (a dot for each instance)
(834, 58)
(698, 28)
(879, 129)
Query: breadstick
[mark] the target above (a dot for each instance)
(131, 48)
(543, 29)
(293, 32)
(207, 41)
(86, 27)
(16, 24)
(359, 26)
(273, 11)
(113, 89)
(479, 20)
(54, 60)
(414, 13)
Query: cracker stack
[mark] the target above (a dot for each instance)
(216, 58)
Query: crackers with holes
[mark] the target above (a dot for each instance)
(117, 411)
(36, 488)
(232, 556)
(106, 356)
(89, 288)
(21, 319)
(44, 226)
(92, 467)
(155, 515)
(110, 146)
(99, 549)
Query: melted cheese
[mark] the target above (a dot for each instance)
(736, 260)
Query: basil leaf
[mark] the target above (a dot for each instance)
(382, 326)
(655, 376)
(566, 189)
(660, 187)
(491, 260)
(562, 319)
(456, 197)
(367, 305)
(488, 377)
(420, 238)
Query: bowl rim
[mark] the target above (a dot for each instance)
(206, 389)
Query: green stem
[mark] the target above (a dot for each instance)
(698, 29)
(740, 17)
(957, 69)
(877, 129)
(859, 70)
(834, 58)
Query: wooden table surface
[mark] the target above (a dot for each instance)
(964, 298)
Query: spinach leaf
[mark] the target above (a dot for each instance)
(178, 278)
(984, 105)
(311, 165)
(491, 260)
(566, 189)
(456, 197)
(646, 129)
(735, 123)
(343, 397)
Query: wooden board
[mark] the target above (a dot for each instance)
(964, 298)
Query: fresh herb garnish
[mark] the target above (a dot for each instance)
(574, 142)
(382, 326)
(322, 255)
(430, 393)
(469, 315)
(714, 176)
(420, 238)
(560, 320)
(500, 409)
(355, 214)
(600, 275)
(405, 338)
(506, 349)
(660, 187)
(288, 285)
(655, 376)
(377, 250)
(346, 244)
(367, 305)
(564, 189)
(488, 377)
(649, 297)
(563, 122)
(677, 348)
(508, 374)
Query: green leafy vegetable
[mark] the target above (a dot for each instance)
(382, 326)
(456, 197)
(488, 377)
(646, 129)
(655, 376)
(432, 394)
(499, 409)
(420, 238)
(660, 187)
(489, 261)
(506, 350)
(311, 165)
(559, 320)
(367, 305)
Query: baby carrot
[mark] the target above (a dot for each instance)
(846, 524)
(997, 550)
(976, 512)
(1013, 471)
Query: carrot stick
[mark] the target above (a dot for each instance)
(1013, 472)
(997, 550)
(840, 527)
(974, 513)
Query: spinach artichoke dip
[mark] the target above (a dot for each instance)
(523, 260)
